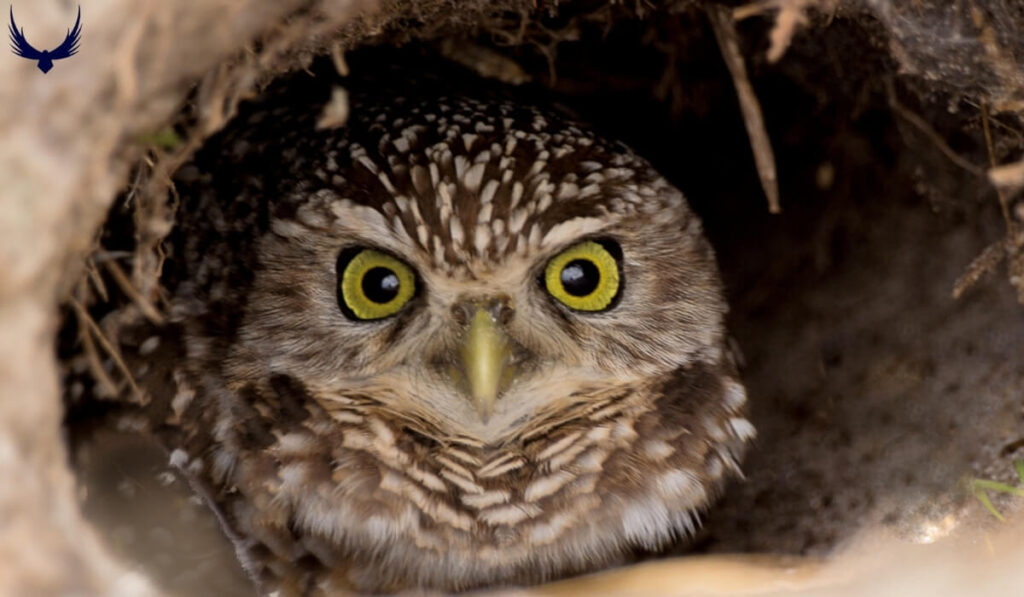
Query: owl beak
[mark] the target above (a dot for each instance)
(485, 354)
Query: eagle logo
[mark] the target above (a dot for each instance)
(45, 58)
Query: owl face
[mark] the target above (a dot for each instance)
(489, 346)
(478, 344)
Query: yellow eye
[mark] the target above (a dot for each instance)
(584, 277)
(373, 285)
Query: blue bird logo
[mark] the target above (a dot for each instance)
(45, 58)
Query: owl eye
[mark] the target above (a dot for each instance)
(373, 285)
(585, 277)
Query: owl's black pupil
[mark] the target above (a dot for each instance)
(580, 277)
(380, 285)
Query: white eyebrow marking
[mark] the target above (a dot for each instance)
(571, 229)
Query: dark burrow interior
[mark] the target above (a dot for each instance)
(874, 392)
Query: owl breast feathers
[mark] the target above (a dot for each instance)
(457, 342)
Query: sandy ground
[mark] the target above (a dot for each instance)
(875, 393)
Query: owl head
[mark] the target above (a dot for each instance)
(456, 342)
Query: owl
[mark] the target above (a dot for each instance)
(458, 342)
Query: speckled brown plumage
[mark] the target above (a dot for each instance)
(344, 455)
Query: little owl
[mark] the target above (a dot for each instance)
(456, 342)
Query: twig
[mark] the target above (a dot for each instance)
(1007, 176)
(751, 9)
(994, 254)
(91, 325)
(728, 42)
(338, 58)
(790, 15)
(147, 308)
(133, 190)
(921, 125)
(335, 112)
(97, 281)
(1004, 205)
(91, 354)
(984, 263)
(998, 124)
